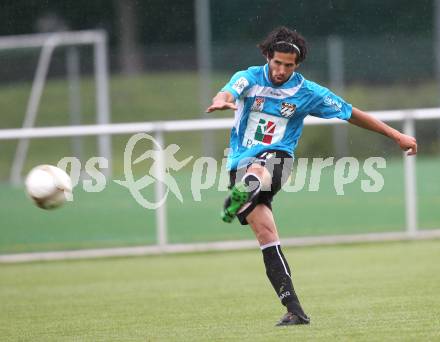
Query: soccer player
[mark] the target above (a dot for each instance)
(270, 104)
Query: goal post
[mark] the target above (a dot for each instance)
(48, 42)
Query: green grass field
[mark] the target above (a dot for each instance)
(367, 292)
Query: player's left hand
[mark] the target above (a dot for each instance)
(407, 143)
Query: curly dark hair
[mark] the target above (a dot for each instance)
(283, 39)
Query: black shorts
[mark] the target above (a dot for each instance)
(279, 164)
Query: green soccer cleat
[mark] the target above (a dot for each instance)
(239, 196)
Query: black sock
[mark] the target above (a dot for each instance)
(278, 272)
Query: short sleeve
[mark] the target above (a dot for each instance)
(239, 84)
(327, 105)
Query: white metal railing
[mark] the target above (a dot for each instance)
(408, 117)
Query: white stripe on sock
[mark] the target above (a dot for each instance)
(282, 261)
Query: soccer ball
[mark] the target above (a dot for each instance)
(48, 186)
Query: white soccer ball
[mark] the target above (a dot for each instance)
(48, 186)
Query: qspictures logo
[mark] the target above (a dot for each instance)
(207, 173)
(163, 163)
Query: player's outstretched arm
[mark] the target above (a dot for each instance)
(364, 120)
(223, 100)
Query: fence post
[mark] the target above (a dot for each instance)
(202, 21)
(335, 53)
(410, 180)
(159, 189)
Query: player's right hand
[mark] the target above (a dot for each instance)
(407, 143)
(221, 105)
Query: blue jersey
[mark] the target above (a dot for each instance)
(271, 117)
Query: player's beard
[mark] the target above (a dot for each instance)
(278, 80)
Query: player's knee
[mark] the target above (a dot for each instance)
(257, 169)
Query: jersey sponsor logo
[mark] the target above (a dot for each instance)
(263, 129)
(335, 104)
(240, 84)
(258, 104)
(287, 109)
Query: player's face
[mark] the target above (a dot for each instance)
(281, 67)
